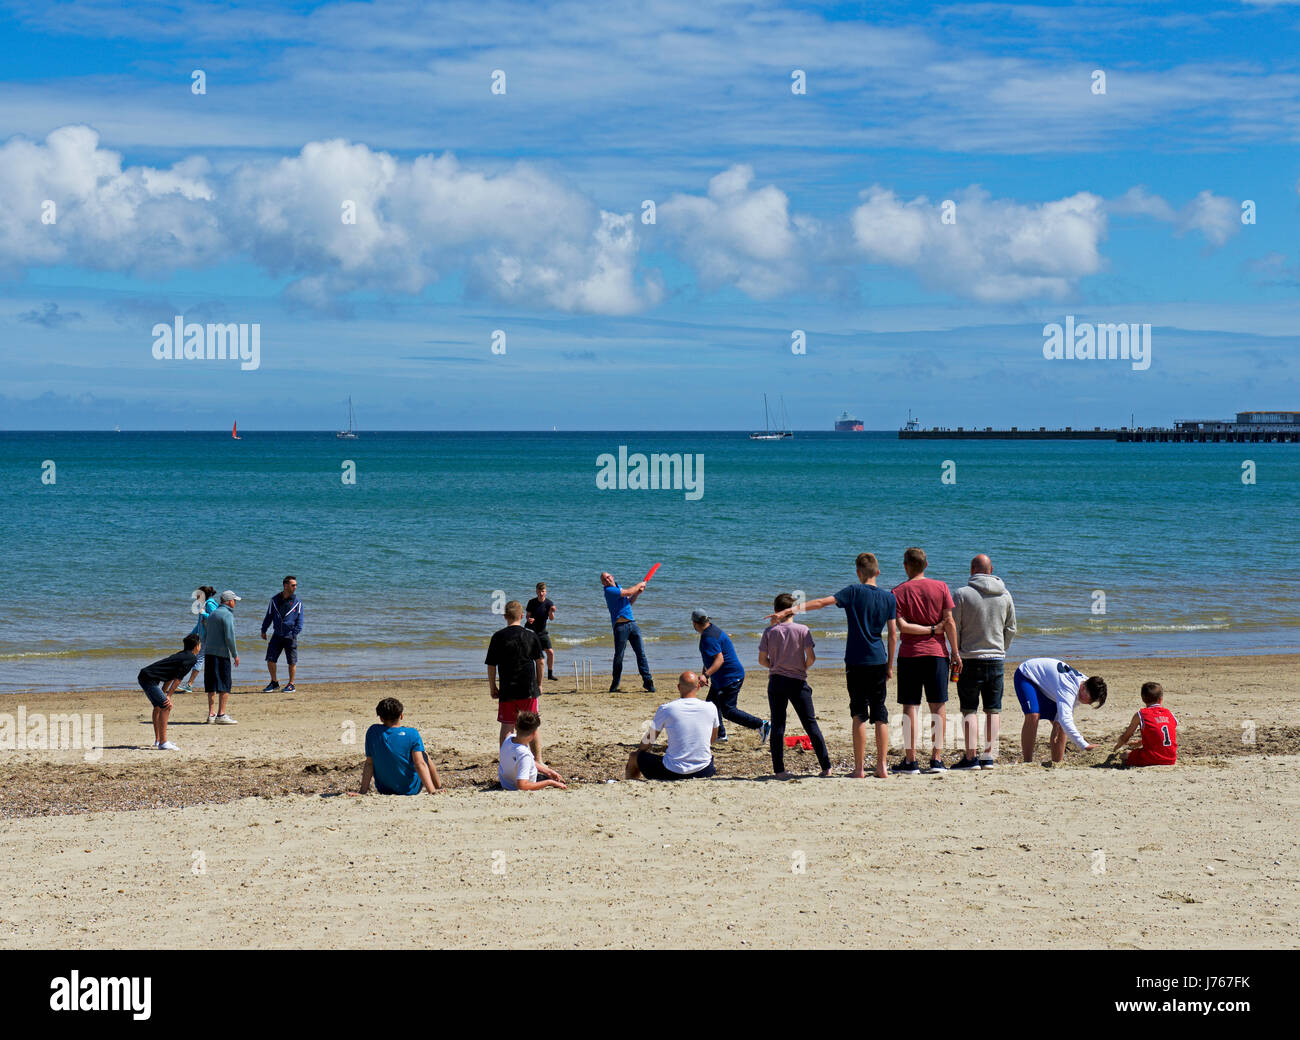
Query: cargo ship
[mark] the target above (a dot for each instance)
(847, 424)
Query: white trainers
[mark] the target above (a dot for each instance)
(211, 718)
(225, 720)
(166, 745)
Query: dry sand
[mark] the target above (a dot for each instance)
(243, 839)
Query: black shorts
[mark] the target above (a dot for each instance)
(652, 768)
(980, 678)
(277, 643)
(544, 638)
(918, 675)
(216, 674)
(866, 684)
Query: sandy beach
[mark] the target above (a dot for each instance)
(244, 837)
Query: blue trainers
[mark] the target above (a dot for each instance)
(764, 731)
(966, 763)
(906, 767)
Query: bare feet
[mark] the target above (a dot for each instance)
(783, 776)
(857, 774)
(824, 772)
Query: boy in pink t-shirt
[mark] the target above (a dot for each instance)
(924, 619)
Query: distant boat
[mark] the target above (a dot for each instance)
(350, 434)
(234, 432)
(912, 422)
(769, 434)
(117, 429)
(847, 423)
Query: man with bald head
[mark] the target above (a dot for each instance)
(986, 623)
(691, 726)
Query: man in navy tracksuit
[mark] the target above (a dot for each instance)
(284, 617)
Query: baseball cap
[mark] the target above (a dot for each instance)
(229, 595)
(699, 617)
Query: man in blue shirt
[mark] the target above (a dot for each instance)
(395, 755)
(725, 675)
(867, 665)
(619, 601)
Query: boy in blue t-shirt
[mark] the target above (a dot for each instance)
(395, 755)
(867, 663)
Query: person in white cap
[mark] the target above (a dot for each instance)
(219, 650)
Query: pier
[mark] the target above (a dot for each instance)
(1247, 428)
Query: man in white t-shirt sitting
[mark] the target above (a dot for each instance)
(691, 727)
(518, 769)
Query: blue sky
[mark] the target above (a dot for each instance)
(523, 211)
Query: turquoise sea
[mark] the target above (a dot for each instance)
(400, 571)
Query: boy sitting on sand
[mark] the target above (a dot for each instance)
(395, 755)
(1159, 746)
(518, 769)
(159, 681)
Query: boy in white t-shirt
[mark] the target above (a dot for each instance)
(691, 726)
(518, 769)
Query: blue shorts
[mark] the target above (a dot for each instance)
(1032, 701)
(276, 643)
(154, 692)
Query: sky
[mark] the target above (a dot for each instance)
(655, 212)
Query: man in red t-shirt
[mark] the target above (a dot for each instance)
(924, 619)
(1159, 745)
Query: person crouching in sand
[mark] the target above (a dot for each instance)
(518, 769)
(1048, 690)
(1159, 745)
(691, 726)
(395, 755)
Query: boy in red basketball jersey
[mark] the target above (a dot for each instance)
(1159, 731)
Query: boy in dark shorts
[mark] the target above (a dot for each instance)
(924, 619)
(514, 664)
(540, 610)
(159, 681)
(867, 664)
(395, 757)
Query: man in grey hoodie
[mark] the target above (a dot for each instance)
(985, 618)
(218, 651)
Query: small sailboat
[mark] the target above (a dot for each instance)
(234, 432)
(769, 434)
(350, 434)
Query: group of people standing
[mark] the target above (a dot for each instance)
(210, 646)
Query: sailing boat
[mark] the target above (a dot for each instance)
(767, 433)
(350, 434)
(234, 432)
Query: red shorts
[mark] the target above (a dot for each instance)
(508, 711)
(1143, 757)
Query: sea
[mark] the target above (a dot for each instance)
(407, 545)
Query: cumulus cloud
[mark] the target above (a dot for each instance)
(66, 200)
(996, 251)
(1216, 217)
(741, 236)
(517, 235)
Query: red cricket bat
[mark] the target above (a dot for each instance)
(652, 572)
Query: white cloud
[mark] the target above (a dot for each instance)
(736, 235)
(517, 234)
(104, 216)
(996, 251)
(1216, 217)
